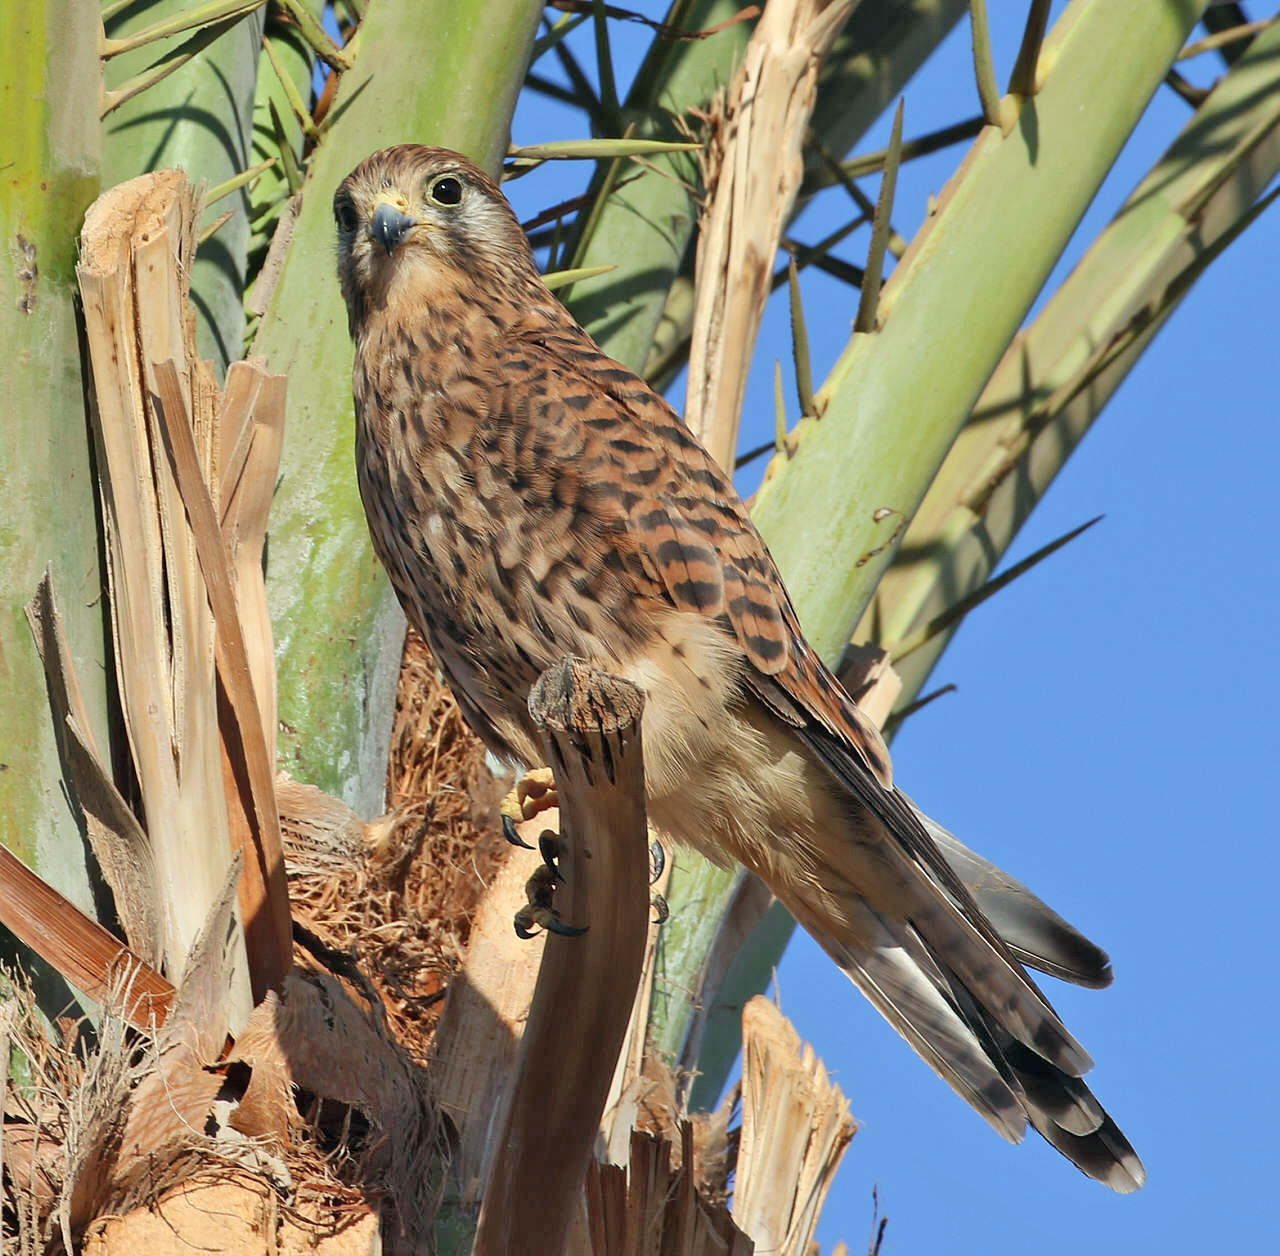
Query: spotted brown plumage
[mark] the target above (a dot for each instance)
(531, 499)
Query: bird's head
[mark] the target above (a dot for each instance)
(411, 219)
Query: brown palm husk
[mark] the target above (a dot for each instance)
(400, 893)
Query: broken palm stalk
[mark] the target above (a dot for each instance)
(796, 1126)
(753, 171)
(169, 447)
(653, 1207)
(475, 1046)
(590, 726)
(115, 1128)
(666, 1189)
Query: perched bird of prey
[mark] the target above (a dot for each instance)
(532, 499)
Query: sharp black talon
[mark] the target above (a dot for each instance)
(657, 860)
(660, 909)
(523, 924)
(549, 849)
(509, 832)
(553, 925)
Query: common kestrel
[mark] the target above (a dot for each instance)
(531, 499)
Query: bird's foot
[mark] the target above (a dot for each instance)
(540, 890)
(534, 792)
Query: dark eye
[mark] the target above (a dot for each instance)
(345, 213)
(446, 190)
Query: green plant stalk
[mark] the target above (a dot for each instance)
(984, 69)
(801, 361)
(562, 278)
(298, 107)
(997, 470)
(449, 77)
(308, 17)
(868, 316)
(875, 56)
(722, 1035)
(186, 18)
(1037, 407)
(577, 150)
(297, 59)
(644, 228)
(49, 152)
(834, 512)
(703, 890)
(1022, 79)
(214, 194)
(197, 119)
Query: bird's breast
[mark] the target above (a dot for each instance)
(485, 558)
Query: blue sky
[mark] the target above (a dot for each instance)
(1112, 742)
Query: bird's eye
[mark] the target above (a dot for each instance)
(446, 190)
(346, 215)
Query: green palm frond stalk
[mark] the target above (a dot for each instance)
(50, 149)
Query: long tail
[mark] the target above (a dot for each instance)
(940, 975)
(936, 937)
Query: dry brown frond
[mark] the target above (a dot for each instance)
(317, 1124)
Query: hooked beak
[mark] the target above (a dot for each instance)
(390, 225)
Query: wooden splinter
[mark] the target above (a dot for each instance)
(590, 727)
